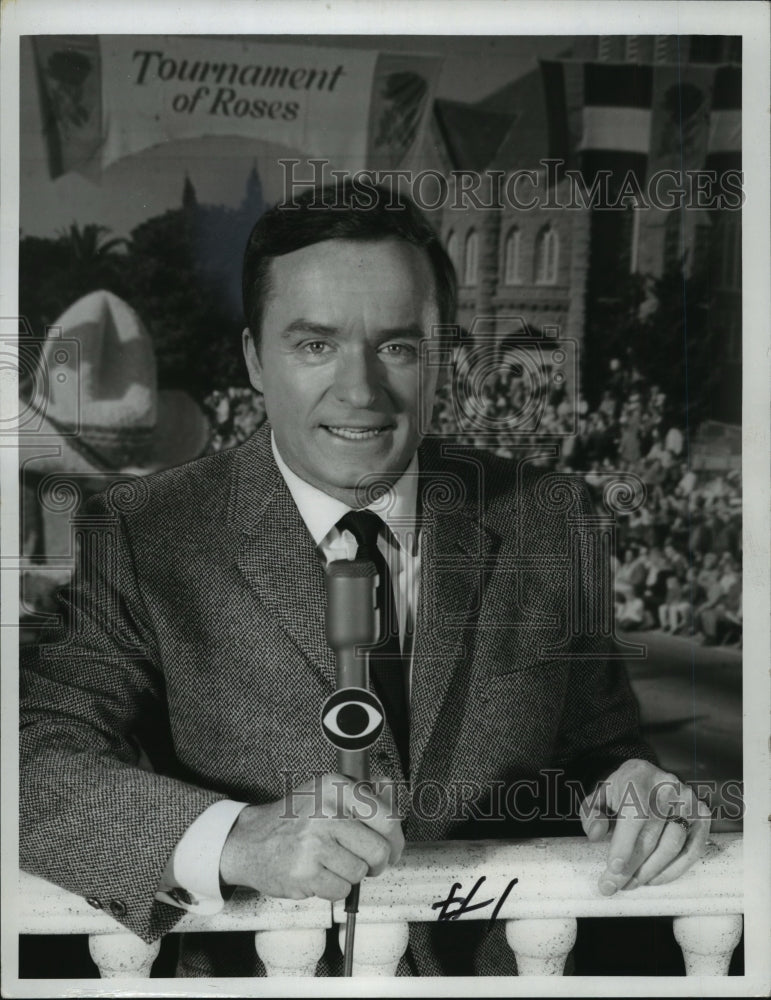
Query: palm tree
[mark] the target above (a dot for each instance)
(86, 245)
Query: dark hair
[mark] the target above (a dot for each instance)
(346, 212)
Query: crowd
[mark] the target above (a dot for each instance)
(679, 553)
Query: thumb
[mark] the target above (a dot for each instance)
(594, 814)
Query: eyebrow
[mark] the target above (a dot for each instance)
(412, 330)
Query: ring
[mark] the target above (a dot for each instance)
(681, 821)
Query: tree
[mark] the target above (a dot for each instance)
(678, 348)
(54, 273)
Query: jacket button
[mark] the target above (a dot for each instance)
(117, 908)
(93, 901)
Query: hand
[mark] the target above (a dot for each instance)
(319, 840)
(646, 847)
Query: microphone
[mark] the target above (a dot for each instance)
(348, 717)
(352, 718)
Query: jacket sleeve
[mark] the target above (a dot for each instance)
(93, 818)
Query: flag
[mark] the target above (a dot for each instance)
(403, 93)
(617, 107)
(599, 117)
(682, 95)
(68, 71)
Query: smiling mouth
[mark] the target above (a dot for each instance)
(357, 433)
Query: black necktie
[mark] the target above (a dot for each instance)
(387, 665)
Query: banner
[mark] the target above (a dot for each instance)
(69, 81)
(357, 108)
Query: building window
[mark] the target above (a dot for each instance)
(663, 49)
(471, 259)
(702, 247)
(634, 240)
(452, 249)
(605, 49)
(731, 254)
(511, 275)
(674, 251)
(547, 251)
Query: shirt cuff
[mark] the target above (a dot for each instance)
(191, 880)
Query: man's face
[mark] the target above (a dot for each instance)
(339, 363)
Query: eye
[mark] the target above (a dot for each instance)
(352, 719)
(314, 347)
(399, 350)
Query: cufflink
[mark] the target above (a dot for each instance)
(181, 896)
(93, 901)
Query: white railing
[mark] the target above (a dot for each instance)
(556, 884)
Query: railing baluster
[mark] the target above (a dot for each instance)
(377, 948)
(122, 956)
(290, 952)
(708, 942)
(541, 946)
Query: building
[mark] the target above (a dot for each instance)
(663, 109)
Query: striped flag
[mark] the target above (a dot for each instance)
(617, 107)
(599, 117)
(617, 116)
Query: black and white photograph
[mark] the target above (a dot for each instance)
(385, 479)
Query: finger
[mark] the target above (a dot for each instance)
(670, 844)
(327, 885)
(621, 853)
(695, 845)
(377, 811)
(621, 869)
(363, 842)
(663, 836)
(594, 814)
(672, 804)
(343, 863)
(636, 833)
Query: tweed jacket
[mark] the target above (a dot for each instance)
(195, 640)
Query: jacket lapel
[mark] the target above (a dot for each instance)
(455, 545)
(277, 555)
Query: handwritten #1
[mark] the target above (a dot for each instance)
(464, 904)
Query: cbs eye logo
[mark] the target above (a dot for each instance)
(352, 719)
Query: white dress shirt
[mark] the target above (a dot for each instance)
(191, 879)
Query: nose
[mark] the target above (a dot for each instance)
(356, 379)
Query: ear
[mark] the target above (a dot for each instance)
(252, 358)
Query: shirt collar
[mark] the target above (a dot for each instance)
(321, 512)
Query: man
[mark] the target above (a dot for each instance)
(197, 634)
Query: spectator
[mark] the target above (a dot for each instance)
(630, 610)
(674, 613)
